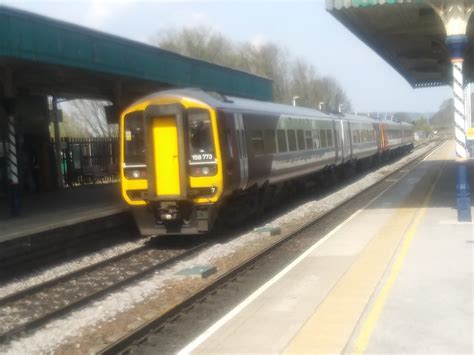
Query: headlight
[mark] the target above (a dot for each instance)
(135, 173)
(203, 170)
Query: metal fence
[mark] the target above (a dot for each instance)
(89, 160)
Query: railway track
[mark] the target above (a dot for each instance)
(230, 282)
(35, 306)
(23, 255)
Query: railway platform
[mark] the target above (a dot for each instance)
(395, 277)
(60, 209)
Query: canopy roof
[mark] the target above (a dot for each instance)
(408, 34)
(53, 57)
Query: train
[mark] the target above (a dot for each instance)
(189, 158)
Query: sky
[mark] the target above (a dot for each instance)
(303, 27)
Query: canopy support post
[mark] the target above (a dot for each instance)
(455, 16)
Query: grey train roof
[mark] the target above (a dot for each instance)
(236, 103)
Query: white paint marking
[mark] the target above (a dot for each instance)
(435, 150)
(241, 306)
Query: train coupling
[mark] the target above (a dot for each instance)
(167, 212)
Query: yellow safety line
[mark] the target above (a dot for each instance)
(362, 341)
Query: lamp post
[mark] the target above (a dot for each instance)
(294, 100)
(321, 105)
(339, 108)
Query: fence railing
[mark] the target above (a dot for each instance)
(89, 160)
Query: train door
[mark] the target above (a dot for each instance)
(242, 150)
(344, 141)
(337, 142)
(164, 127)
(347, 141)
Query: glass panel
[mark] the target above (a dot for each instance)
(322, 133)
(309, 140)
(316, 140)
(134, 139)
(300, 135)
(201, 147)
(329, 137)
(291, 140)
(281, 137)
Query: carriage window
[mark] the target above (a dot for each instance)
(201, 146)
(300, 136)
(269, 141)
(257, 142)
(356, 136)
(134, 139)
(309, 140)
(322, 134)
(282, 145)
(316, 141)
(291, 139)
(329, 137)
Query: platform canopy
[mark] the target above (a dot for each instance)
(408, 34)
(46, 56)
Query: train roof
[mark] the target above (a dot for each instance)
(217, 100)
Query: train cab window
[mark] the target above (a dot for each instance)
(269, 141)
(201, 146)
(257, 142)
(309, 140)
(300, 136)
(316, 140)
(281, 138)
(322, 134)
(291, 139)
(134, 139)
(329, 137)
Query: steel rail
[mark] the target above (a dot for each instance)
(43, 319)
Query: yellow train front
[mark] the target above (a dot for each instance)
(170, 164)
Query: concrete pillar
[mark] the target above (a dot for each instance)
(455, 16)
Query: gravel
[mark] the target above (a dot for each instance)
(50, 337)
(43, 275)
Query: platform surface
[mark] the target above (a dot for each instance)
(396, 277)
(46, 211)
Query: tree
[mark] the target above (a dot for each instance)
(290, 77)
(198, 42)
(70, 127)
(90, 115)
(423, 125)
